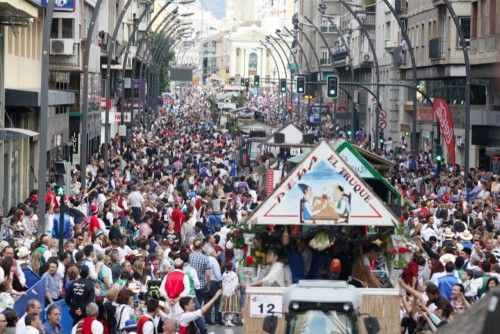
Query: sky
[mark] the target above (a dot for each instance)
(216, 7)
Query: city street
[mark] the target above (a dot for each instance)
(330, 166)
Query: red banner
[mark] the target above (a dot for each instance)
(443, 115)
(270, 181)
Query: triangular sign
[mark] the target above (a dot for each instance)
(323, 190)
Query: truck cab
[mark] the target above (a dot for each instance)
(318, 306)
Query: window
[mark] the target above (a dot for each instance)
(474, 20)
(465, 25)
(387, 32)
(493, 16)
(62, 28)
(54, 31)
(67, 28)
(325, 57)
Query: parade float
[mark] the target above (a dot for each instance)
(325, 207)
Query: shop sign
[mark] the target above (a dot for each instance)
(323, 190)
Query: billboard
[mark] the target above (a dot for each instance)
(61, 5)
(323, 190)
(181, 74)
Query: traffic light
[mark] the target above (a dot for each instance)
(438, 153)
(283, 85)
(349, 133)
(63, 176)
(59, 190)
(333, 86)
(247, 83)
(242, 81)
(301, 85)
(256, 80)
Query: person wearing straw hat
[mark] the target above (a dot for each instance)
(465, 239)
(447, 237)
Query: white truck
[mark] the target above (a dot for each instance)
(318, 306)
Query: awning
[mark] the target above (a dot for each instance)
(300, 157)
(16, 134)
(26, 98)
(16, 12)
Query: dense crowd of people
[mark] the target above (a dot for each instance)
(147, 245)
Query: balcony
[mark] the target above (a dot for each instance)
(401, 7)
(370, 19)
(399, 57)
(390, 46)
(66, 63)
(436, 48)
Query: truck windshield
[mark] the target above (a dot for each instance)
(320, 321)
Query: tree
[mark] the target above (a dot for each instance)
(163, 55)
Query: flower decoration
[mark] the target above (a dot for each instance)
(321, 241)
(249, 260)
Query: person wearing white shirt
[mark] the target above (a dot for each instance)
(96, 327)
(33, 308)
(33, 324)
(276, 275)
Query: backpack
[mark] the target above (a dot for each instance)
(109, 315)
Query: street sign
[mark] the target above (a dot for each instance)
(59, 190)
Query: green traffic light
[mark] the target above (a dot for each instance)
(438, 158)
(349, 132)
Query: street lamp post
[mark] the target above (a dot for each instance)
(467, 90)
(289, 65)
(85, 98)
(109, 51)
(125, 58)
(275, 64)
(44, 114)
(139, 46)
(404, 33)
(150, 56)
(282, 63)
(321, 9)
(375, 61)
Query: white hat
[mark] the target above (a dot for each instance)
(23, 252)
(448, 233)
(3, 244)
(447, 258)
(465, 235)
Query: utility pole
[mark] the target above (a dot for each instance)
(44, 114)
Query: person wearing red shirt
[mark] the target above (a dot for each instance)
(410, 272)
(175, 284)
(94, 222)
(178, 218)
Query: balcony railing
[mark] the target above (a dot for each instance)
(436, 48)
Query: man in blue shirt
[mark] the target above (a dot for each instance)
(52, 325)
(53, 282)
(446, 283)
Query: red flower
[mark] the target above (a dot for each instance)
(245, 248)
(403, 250)
(249, 260)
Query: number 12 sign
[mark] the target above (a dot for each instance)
(263, 305)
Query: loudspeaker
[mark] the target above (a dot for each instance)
(308, 138)
(279, 138)
(259, 133)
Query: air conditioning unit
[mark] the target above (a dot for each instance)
(62, 47)
(390, 46)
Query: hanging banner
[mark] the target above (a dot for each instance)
(324, 190)
(445, 119)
